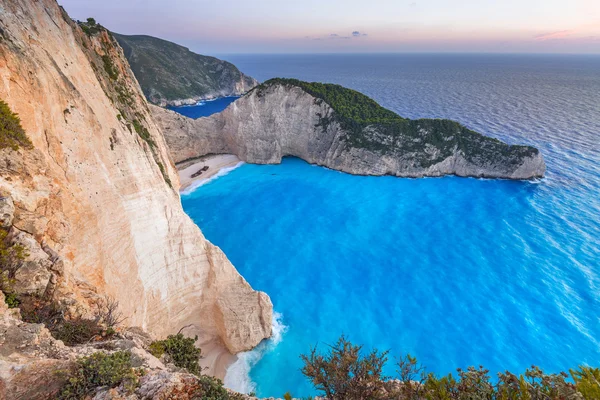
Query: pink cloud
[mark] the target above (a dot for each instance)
(554, 35)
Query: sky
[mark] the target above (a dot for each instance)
(355, 26)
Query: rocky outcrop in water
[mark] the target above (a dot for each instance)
(281, 118)
(95, 200)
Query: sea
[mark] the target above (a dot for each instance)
(205, 108)
(455, 271)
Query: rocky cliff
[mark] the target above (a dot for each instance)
(170, 74)
(342, 129)
(94, 201)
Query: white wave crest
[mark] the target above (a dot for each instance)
(237, 376)
(201, 182)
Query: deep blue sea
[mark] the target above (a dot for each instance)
(454, 271)
(205, 108)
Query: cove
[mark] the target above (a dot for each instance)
(205, 108)
(454, 271)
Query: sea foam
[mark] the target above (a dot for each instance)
(237, 376)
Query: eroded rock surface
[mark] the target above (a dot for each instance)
(95, 201)
(282, 119)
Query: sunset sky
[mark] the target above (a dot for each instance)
(356, 26)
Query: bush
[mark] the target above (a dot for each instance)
(587, 382)
(109, 67)
(72, 331)
(213, 389)
(179, 350)
(11, 257)
(77, 331)
(11, 300)
(100, 369)
(11, 132)
(107, 312)
(90, 27)
(344, 373)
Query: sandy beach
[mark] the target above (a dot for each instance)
(214, 163)
(215, 358)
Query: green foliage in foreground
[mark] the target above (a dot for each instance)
(11, 132)
(179, 350)
(344, 372)
(100, 369)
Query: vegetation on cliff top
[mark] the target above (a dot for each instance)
(357, 114)
(344, 372)
(12, 133)
(167, 71)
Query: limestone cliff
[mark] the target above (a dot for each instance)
(95, 200)
(170, 74)
(289, 117)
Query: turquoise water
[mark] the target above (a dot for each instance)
(455, 271)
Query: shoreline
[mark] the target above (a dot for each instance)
(215, 358)
(214, 162)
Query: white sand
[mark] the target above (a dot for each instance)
(214, 162)
(215, 359)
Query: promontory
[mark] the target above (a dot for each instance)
(342, 129)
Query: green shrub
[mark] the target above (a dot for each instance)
(109, 67)
(11, 257)
(179, 350)
(213, 389)
(161, 167)
(287, 396)
(90, 27)
(344, 372)
(11, 132)
(100, 369)
(587, 382)
(11, 300)
(72, 332)
(340, 374)
(77, 331)
(143, 133)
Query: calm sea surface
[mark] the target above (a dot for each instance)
(205, 108)
(454, 271)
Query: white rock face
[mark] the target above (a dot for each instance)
(280, 120)
(92, 190)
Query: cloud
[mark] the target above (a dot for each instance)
(335, 36)
(554, 35)
(413, 4)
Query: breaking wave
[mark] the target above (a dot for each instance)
(237, 376)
